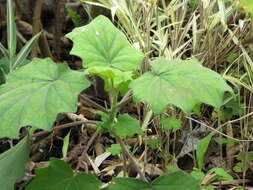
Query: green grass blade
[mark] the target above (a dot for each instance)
(75, 17)
(3, 50)
(25, 51)
(11, 30)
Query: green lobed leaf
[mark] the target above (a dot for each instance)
(177, 180)
(239, 167)
(111, 75)
(105, 124)
(100, 43)
(245, 155)
(116, 149)
(60, 176)
(35, 93)
(153, 143)
(12, 164)
(181, 83)
(171, 123)
(233, 107)
(127, 126)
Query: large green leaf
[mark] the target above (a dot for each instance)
(177, 180)
(181, 83)
(12, 164)
(100, 43)
(35, 93)
(60, 176)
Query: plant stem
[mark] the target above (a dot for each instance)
(96, 105)
(125, 99)
(147, 117)
(59, 19)
(67, 125)
(84, 153)
(113, 114)
(146, 120)
(113, 101)
(36, 24)
(131, 158)
(45, 49)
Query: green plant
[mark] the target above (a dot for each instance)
(35, 93)
(233, 107)
(76, 19)
(11, 61)
(211, 175)
(59, 175)
(243, 159)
